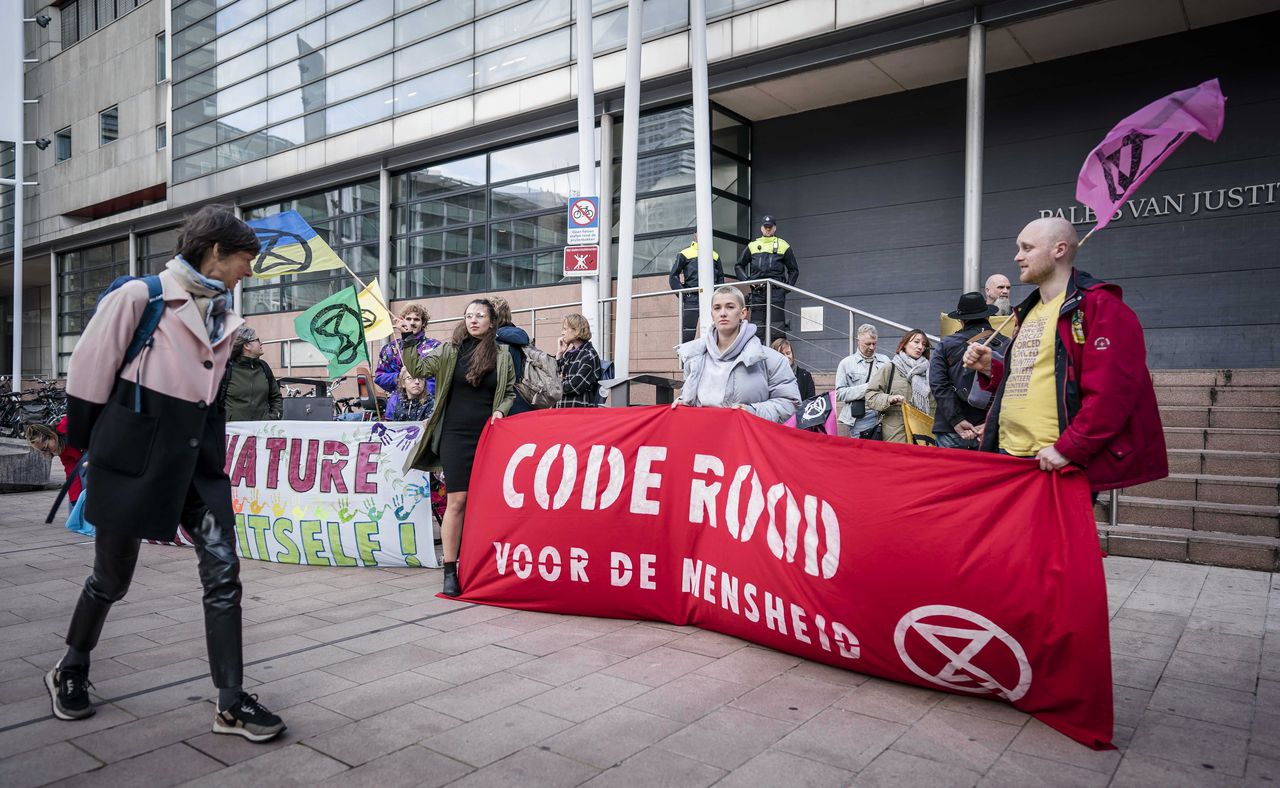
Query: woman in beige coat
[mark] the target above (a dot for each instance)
(904, 379)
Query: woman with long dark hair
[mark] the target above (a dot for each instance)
(475, 383)
(156, 438)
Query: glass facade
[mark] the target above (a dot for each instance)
(6, 196)
(255, 77)
(665, 207)
(82, 276)
(496, 221)
(347, 219)
(155, 250)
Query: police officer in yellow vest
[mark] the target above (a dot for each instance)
(684, 273)
(768, 257)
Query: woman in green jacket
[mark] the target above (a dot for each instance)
(475, 382)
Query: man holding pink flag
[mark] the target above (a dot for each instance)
(1074, 387)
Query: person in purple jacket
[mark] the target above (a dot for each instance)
(413, 320)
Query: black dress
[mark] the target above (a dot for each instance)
(465, 413)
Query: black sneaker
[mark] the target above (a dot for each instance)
(69, 691)
(248, 718)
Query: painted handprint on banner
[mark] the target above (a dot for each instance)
(256, 505)
(403, 437)
(374, 512)
(345, 514)
(277, 507)
(237, 504)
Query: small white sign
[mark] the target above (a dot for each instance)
(810, 318)
(584, 236)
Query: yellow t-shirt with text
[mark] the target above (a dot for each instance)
(1029, 408)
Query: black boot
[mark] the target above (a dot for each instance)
(451, 585)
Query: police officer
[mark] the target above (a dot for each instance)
(768, 257)
(684, 273)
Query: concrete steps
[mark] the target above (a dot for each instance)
(1221, 502)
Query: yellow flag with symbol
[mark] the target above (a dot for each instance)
(377, 320)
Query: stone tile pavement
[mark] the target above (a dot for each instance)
(382, 684)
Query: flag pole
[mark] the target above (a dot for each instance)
(1086, 236)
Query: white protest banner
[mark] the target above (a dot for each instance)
(330, 493)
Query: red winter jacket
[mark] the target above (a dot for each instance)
(1107, 413)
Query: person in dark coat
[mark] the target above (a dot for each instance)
(578, 364)
(956, 420)
(515, 339)
(803, 378)
(768, 257)
(684, 274)
(249, 390)
(156, 436)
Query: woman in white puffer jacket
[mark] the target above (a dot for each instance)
(728, 367)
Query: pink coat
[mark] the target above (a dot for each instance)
(142, 465)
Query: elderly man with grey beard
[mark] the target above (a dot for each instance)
(997, 292)
(856, 419)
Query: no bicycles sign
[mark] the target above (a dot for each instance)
(584, 221)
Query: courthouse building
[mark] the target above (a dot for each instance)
(433, 144)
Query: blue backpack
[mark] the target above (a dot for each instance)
(143, 336)
(144, 333)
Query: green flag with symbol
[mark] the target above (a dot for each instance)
(335, 327)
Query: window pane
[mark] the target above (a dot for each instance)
(70, 24)
(162, 137)
(286, 18)
(534, 233)
(162, 59)
(523, 21)
(554, 153)
(431, 19)
(458, 209)
(197, 87)
(730, 174)
(540, 194)
(365, 109)
(441, 246)
(238, 13)
(242, 67)
(190, 11)
(654, 255)
(109, 125)
(522, 59)
(729, 134)
(360, 79)
(444, 177)
(730, 216)
(357, 16)
(242, 95)
(237, 41)
(671, 212)
(526, 270)
(435, 87)
(298, 43)
(665, 171)
(63, 141)
(356, 49)
(245, 120)
(434, 52)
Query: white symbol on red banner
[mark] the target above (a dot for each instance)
(962, 658)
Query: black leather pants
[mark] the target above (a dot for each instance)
(114, 560)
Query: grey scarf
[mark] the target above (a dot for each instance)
(209, 295)
(916, 370)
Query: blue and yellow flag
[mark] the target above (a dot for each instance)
(288, 245)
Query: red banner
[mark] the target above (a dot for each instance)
(973, 573)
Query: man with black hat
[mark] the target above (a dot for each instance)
(768, 257)
(684, 273)
(961, 404)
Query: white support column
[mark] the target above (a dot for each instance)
(587, 148)
(384, 233)
(53, 314)
(237, 302)
(19, 174)
(133, 253)
(605, 343)
(627, 208)
(973, 142)
(702, 156)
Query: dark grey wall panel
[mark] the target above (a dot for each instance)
(870, 195)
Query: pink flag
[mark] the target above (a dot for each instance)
(1141, 142)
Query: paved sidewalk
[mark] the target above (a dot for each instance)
(383, 685)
